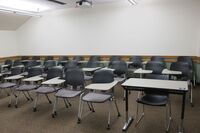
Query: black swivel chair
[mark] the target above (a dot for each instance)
(114, 58)
(45, 89)
(9, 65)
(189, 60)
(120, 69)
(157, 58)
(74, 86)
(156, 66)
(17, 63)
(100, 76)
(70, 64)
(63, 60)
(136, 62)
(152, 97)
(49, 64)
(48, 58)
(94, 58)
(26, 87)
(78, 58)
(185, 76)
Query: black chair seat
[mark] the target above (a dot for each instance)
(153, 100)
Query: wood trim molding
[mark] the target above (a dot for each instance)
(103, 57)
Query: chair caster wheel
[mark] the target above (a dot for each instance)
(28, 99)
(50, 102)
(108, 127)
(79, 121)
(9, 105)
(119, 115)
(16, 106)
(34, 109)
(53, 116)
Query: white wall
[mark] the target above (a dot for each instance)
(8, 43)
(162, 27)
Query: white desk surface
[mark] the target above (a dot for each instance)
(54, 81)
(144, 62)
(155, 83)
(142, 71)
(104, 61)
(14, 77)
(83, 61)
(63, 61)
(34, 79)
(106, 68)
(25, 60)
(90, 69)
(18, 66)
(101, 86)
(170, 72)
(4, 66)
(129, 62)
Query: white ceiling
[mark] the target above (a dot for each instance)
(10, 21)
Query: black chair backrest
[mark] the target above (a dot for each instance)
(157, 58)
(78, 58)
(49, 63)
(24, 58)
(63, 58)
(136, 62)
(32, 63)
(8, 62)
(71, 64)
(54, 72)
(36, 58)
(154, 91)
(35, 71)
(17, 63)
(103, 76)
(92, 64)
(115, 58)
(156, 66)
(94, 58)
(187, 59)
(120, 67)
(48, 58)
(181, 66)
(74, 77)
(16, 70)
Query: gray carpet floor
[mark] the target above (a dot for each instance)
(24, 120)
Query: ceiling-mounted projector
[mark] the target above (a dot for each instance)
(84, 3)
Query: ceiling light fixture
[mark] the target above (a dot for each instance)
(133, 2)
(20, 12)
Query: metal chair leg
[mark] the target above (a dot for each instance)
(10, 100)
(81, 104)
(29, 96)
(17, 98)
(65, 102)
(115, 101)
(92, 107)
(54, 113)
(25, 96)
(35, 103)
(68, 102)
(168, 116)
(191, 94)
(142, 115)
(109, 112)
(48, 98)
